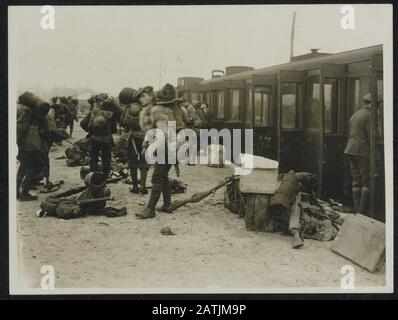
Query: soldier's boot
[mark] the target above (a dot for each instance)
(166, 200)
(25, 195)
(364, 203)
(19, 183)
(134, 179)
(356, 197)
(144, 173)
(149, 211)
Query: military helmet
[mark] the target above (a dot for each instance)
(140, 91)
(95, 179)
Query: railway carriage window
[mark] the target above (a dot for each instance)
(220, 104)
(234, 96)
(257, 108)
(289, 106)
(262, 114)
(356, 97)
(248, 111)
(314, 110)
(330, 109)
(186, 96)
(181, 82)
(194, 96)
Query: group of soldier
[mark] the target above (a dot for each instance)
(40, 124)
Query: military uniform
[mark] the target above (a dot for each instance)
(100, 129)
(33, 138)
(166, 109)
(130, 121)
(358, 152)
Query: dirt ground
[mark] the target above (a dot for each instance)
(211, 248)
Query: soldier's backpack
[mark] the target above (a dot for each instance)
(130, 118)
(100, 121)
(60, 208)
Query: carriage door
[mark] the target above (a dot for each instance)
(234, 112)
(332, 140)
(377, 170)
(289, 115)
(263, 115)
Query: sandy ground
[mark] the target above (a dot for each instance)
(211, 248)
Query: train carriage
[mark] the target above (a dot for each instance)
(299, 112)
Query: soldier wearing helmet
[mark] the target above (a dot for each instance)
(130, 122)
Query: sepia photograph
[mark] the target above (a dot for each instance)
(200, 149)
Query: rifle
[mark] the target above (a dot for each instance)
(94, 200)
(79, 189)
(196, 197)
(73, 144)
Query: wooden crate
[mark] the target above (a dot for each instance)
(363, 241)
(260, 181)
(258, 174)
(257, 217)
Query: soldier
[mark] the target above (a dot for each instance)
(34, 141)
(100, 123)
(72, 106)
(196, 114)
(166, 109)
(358, 151)
(63, 114)
(206, 114)
(130, 121)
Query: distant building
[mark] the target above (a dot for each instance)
(83, 95)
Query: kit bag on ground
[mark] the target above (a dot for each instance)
(63, 208)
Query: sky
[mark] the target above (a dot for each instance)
(106, 48)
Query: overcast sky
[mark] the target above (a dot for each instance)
(109, 47)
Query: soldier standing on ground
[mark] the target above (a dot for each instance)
(32, 139)
(100, 123)
(166, 109)
(130, 121)
(358, 152)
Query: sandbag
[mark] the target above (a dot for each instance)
(130, 118)
(126, 96)
(28, 99)
(100, 120)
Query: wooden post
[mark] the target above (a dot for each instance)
(373, 135)
(321, 131)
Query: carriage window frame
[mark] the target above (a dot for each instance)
(265, 118)
(219, 107)
(234, 110)
(195, 96)
(249, 109)
(331, 95)
(297, 103)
